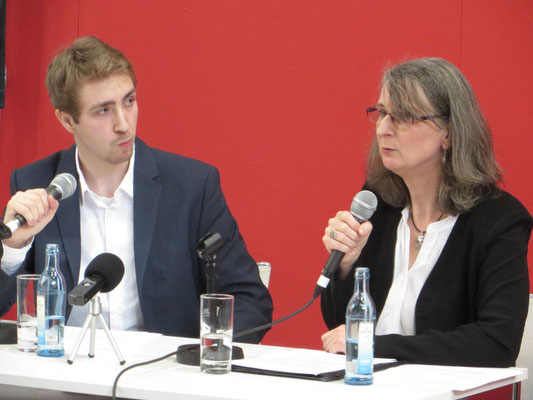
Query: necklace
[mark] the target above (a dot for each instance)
(422, 234)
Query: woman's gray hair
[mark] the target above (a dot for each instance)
(470, 170)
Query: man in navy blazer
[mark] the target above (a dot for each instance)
(174, 201)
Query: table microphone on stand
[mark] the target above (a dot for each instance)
(189, 354)
(102, 275)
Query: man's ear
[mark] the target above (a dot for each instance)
(66, 120)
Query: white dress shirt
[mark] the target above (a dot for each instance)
(398, 315)
(106, 226)
(13, 258)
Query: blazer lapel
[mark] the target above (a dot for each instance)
(146, 193)
(68, 220)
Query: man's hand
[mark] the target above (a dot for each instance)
(37, 207)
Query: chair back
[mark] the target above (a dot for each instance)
(264, 272)
(525, 357)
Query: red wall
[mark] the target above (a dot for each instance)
(273, 93)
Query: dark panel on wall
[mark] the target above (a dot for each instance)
(2, 52)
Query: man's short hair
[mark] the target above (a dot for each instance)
(87, 59)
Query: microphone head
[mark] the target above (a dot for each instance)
(65, 184)
(107, 266)
(209, 244)
(363, 205)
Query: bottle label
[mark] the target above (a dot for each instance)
(365, 353)
(41, 319)
(40, 306)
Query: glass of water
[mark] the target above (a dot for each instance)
(216, 333)
(27, 312)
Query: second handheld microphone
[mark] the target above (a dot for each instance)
(363, 206)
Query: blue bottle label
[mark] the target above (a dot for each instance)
(41, 302)
(365, 354)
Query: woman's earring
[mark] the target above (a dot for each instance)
(444, 157)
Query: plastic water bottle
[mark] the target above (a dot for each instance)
(51, 303)
(360, 321)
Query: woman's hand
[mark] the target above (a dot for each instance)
(334, 341)
(346, 234)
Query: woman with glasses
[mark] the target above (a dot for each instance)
(446, 247)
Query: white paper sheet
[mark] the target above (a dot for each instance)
(301, 361)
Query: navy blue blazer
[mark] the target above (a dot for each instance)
(176, 201)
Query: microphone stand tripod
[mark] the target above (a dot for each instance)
(95, 312)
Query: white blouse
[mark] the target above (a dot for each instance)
(398, 315)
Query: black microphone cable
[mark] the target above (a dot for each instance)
(262, 327)
(242, 333)
(363, 206)
(115, 383)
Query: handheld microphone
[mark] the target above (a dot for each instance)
(103, 274)
(363, 206)
(62, 186)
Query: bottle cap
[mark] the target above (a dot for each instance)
(361, 273)
(52, 247)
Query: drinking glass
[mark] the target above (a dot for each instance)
(27, 312)
(216, 333)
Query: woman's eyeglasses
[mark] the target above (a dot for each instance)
(376, 115)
